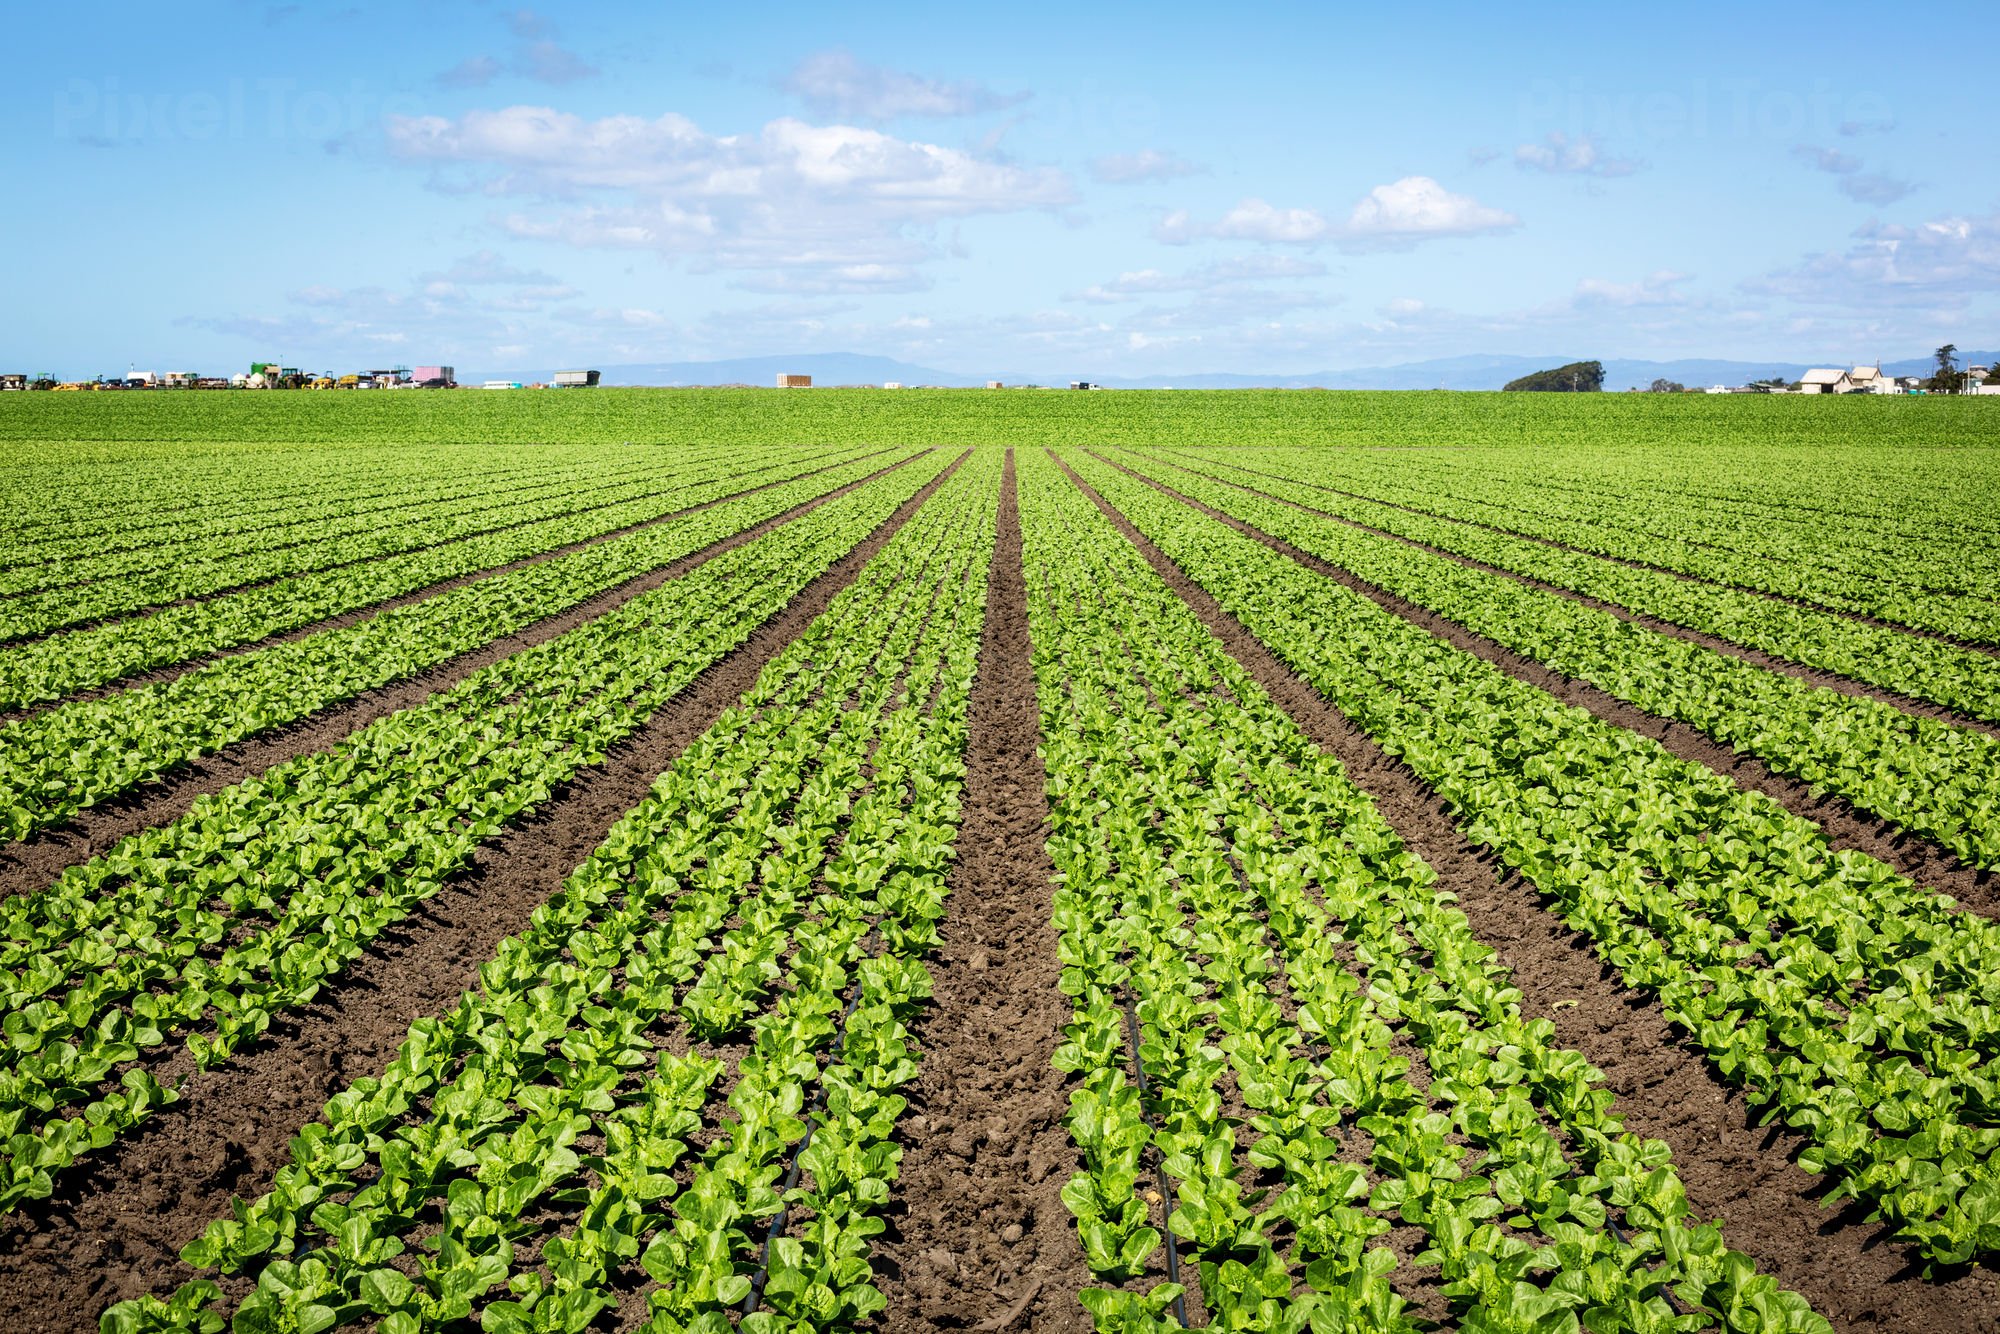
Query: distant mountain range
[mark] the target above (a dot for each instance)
(1473, 372)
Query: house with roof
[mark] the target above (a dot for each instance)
(1833, 381)
(1870, 380)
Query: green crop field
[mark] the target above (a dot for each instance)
(693, 860)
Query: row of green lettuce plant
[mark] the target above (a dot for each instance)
(816, 815)
(1885, 587)
(1904, 532)
(1820, 478)
(160, 498)
(1280, 941)
(1946, 674)
(40, 670)
(1930, 777)
(1848, 1003)
(199, 932)
(42, 612)
(171, 530)
(66, 759)
(424, 509)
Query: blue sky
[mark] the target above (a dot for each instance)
(1126, 190)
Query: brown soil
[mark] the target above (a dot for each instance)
(32, 864)
(1843, 826)
(172, 670)
(115, 1224)
(1834, 681)
(979, 1236)
(1733, 1170)
(1865, 619)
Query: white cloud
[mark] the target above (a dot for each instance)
(530, 298)
(472, 72)
(1874, 187)
(1828, 159)
(546, 62)
(1224, 274)
(490, 267)
(839, 279)
(1251, 220)
(1389, 217)
(617, 317)
(319, 295)
(1562, 155)
(836, 85)
(792, 196)
(538, 56)
(1417, 208)
(1656, 289)
(1864, 187)
(479, 291)
(1934, 264)
(526, 24)
(1136, 168)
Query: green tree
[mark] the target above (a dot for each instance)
(1580, 377)
(1948, 379)
(1666, 386)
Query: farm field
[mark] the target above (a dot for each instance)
(683, 860)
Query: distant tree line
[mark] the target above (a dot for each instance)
(1587, 377)
(1579, 377)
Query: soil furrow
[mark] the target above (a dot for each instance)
(173, 670)
(34, 863)
(114, 1226)
(1843, 826)
(1733, 1169)
(1815, 676)
(1861, 617)
(979, 1237)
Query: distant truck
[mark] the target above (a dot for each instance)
(576, 379)
(434, 377)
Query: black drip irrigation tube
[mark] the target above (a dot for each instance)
(1166, 1185)
(763, 1274)
(1674, 1304)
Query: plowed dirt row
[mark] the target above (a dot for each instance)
(1844, 826)
(1732, 1169)
(32, 864)
(980, 1237)
(1682, 575)
(172, 670)
(114, 1230)
(1845, 685)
